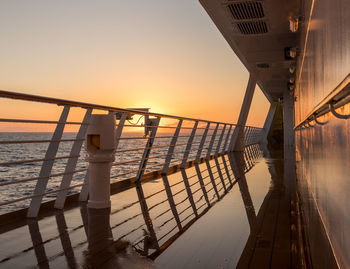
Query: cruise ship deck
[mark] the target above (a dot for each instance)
(111, 187)
(199, 217)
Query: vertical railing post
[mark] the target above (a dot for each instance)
(201, 145)
(212, 140)
(254, 136)
(220, 140)
(47, 165)
(171, 148)
(189, 145)
(84, 193)
(247, 133)
(226, 139)
(72, 161)
(153, 123)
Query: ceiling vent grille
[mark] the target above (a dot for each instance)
(252, 27)
(246, 10)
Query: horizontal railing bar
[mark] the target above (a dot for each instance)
(168, 127)
(37, 141)
(145, 137)
(63, 102)
(40, 121)
(39, 160)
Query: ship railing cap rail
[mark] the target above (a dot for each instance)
(64, 102)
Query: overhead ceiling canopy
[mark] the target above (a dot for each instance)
(259, 33)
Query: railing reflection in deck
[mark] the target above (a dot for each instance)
(165, 214)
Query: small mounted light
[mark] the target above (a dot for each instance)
(290, 53)
(292, 80)
(292, 68)
(291, 86)
(294, 23)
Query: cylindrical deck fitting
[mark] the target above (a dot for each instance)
(100, 145)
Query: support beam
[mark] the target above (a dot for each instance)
(288, 119)
(269, 120)
(237, 142)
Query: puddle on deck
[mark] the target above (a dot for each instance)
(196, 218)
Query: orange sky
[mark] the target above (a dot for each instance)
(166, 55)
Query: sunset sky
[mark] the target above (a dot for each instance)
(162, 54)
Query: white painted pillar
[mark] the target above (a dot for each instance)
(100, 145)
(237, 142)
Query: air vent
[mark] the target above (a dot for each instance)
(246, 10)
(252, 27)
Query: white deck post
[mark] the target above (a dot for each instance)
(237, 141)
(84, 193)
(100, 146)
(47, 165)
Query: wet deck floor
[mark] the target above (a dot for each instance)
(201, 217)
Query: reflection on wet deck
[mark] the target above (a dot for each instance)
(200, 217)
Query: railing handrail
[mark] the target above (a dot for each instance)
(340, 96)
(210, 144)
(63, 102)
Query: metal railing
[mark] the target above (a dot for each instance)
(149, 222)
(337, 98)
(35, 166)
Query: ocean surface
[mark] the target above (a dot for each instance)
(32, 151)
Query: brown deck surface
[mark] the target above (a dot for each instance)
(275, 240)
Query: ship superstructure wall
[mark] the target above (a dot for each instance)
(323, 147)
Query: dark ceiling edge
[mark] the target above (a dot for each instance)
(233, 46)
